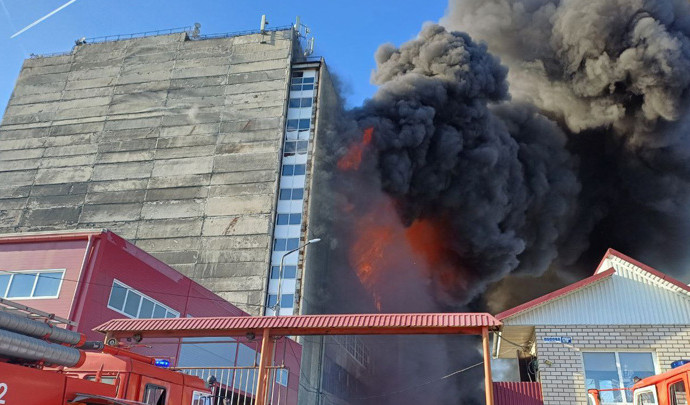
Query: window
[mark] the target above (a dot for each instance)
(291, 194)
(288, 272)
(616, 370)
(299, 83)
(134, 304)
(154, 394)
(646, 396)
(292, 147)
(300, 102)
(294, 170)
(201, 398)
(31, 284)
(104, 379)
(676, 393)
(289, 219)
(282, 375)
(282, 244)
(287, 301)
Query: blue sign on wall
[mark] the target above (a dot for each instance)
(558, 339)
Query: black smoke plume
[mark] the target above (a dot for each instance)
(538, 133)
(449, 144)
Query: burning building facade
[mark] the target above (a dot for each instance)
(510, 145)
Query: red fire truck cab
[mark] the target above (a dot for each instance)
(102, 379)
(669, 388)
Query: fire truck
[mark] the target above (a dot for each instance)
(42, 364)
(669, 388)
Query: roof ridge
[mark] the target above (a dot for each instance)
(644, 268)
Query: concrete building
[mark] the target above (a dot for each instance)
(195, 148)
(627, 320)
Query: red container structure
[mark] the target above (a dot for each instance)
(518, 393)
(79, 276)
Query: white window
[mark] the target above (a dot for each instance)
(646, 396)
(134, 304)
(31, 284)
(201, 398)
(612, 372)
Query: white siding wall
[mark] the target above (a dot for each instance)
(612, 301)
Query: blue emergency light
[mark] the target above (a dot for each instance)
(679, 363)
(162, 363)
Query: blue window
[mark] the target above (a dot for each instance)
(4, 282)
(308, 80)
(297, 193)
(287, 301)
(31, 284)
(47, 284)
(292, 125)
(294, 170)
(294, 103)
(279, 244)
(304, 123)
(295, 219)
(292, 243)
(289, 219)
(131, 302)
(282, 219)
(290, 194)
(288, 272)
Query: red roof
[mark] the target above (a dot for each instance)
(646, 268)
(356, 324)
(599, 274)
(556, 294)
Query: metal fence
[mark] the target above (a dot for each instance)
(237, 385)
(122, 37)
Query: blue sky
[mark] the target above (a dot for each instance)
(347, 32)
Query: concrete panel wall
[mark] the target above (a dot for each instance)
(171, 143)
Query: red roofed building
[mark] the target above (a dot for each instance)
(627, 320)
(91, 277)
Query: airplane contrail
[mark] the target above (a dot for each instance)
(42, 18)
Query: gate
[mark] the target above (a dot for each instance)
(237, 385)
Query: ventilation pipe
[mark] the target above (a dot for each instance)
(42, 330)
(16, 346)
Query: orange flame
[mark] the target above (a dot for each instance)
(353, 158)
(383, 245)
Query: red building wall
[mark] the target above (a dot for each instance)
(44, 255)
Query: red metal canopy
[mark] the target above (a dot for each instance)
(356, 324)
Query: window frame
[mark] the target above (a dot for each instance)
(680, 379)
(619, 369)
(644, 390)
(143, 296)
(12, 273)
(144, 399)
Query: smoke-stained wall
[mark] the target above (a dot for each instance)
(172, 143)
